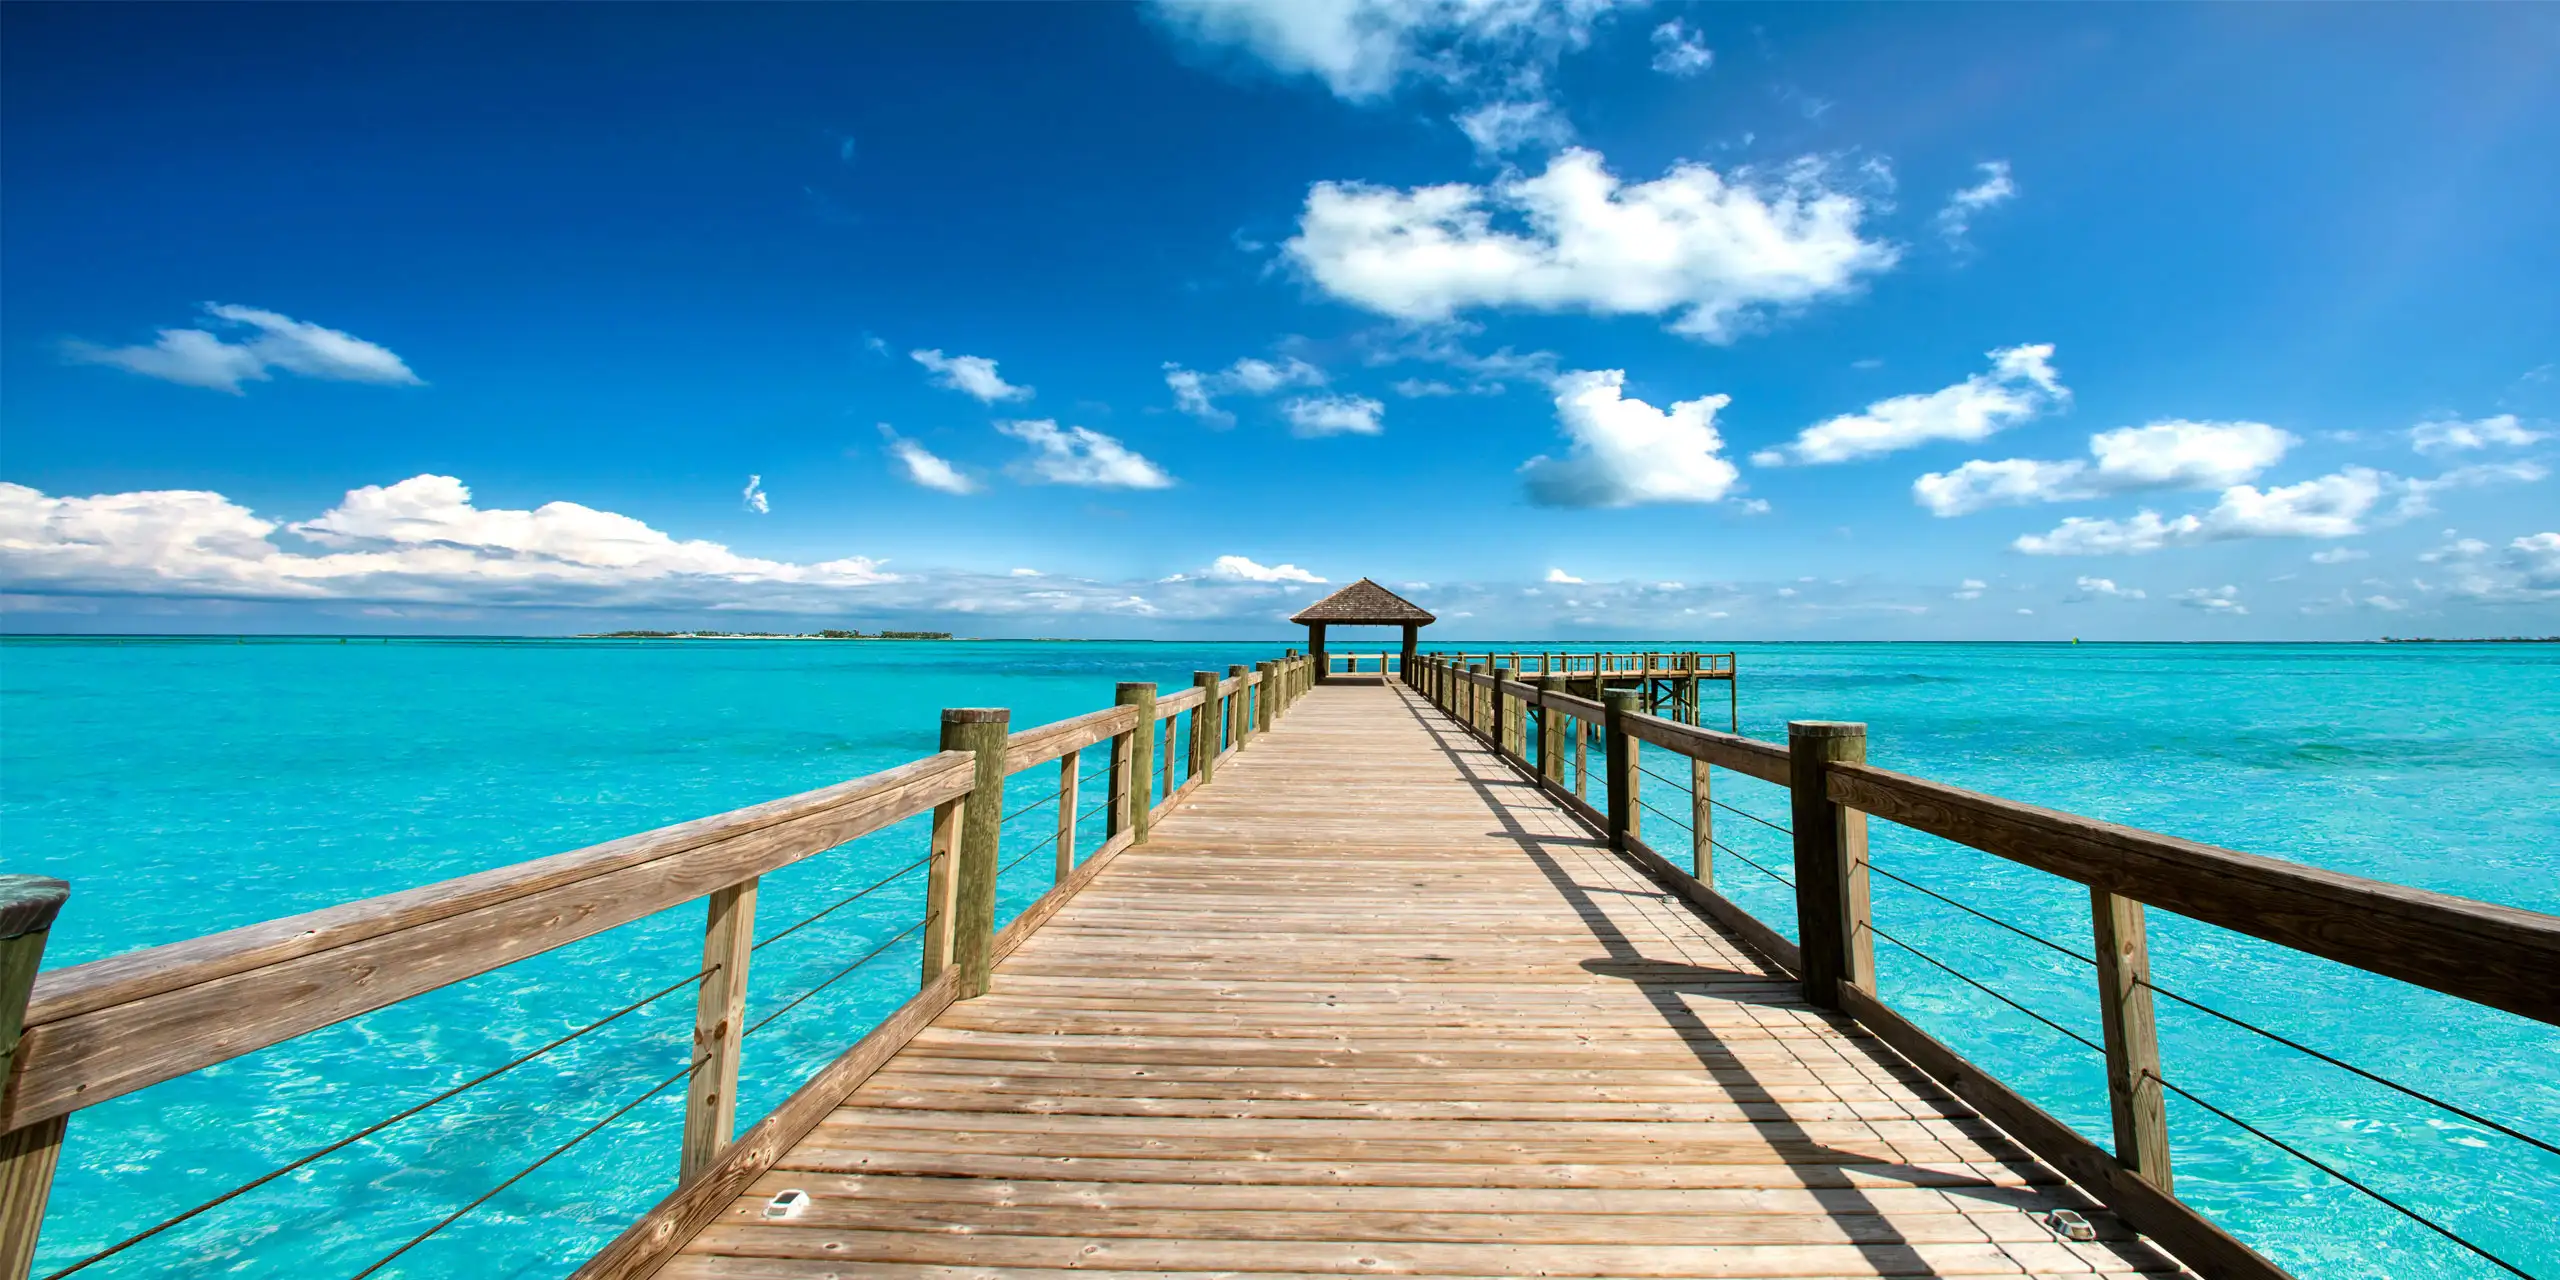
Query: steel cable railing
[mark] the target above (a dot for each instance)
(628, 1107)
(2254, 1131)
(485, 1077)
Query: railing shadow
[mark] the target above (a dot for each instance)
(1486, 772)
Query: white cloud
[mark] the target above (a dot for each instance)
(973, 376)
(1194, 392)
(419, 541)
(1970, 589)
(2332, 506)
(2164, 455)
(1505, 125)
(1625, 451)
(202, 358)
(923, 467)
(1995, 188)
(2020, 385)
(1078, 456)
(2212, 599)
(1678, 51)
(2417, 496)
(2106, 588)
(1417, 388)
(1362, 49)
(2525, 571)
(2339, 555)
(1335, 415)
(1711, 251)
(754, 496)
(1562, 578)
(1024, 573)
(2436, 439)
(1240, 569)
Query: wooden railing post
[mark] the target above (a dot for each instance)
(1204, 727)
(1702, 825)
(1266, 697)
(1501, 717)
(1133, 763)
(1550, 740)
(1619, 751)
(1831, 863)
(973, 900)
(1067, 801)
(2134, 1093)
(719, 1016)
(1239, 723)
(28, 905)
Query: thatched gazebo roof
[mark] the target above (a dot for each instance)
(1365, 604)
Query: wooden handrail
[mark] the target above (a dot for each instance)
(1041, 744)
(106, 1028)
(2503, 957)
(1191, 696)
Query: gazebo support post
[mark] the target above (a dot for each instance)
(1315, 650)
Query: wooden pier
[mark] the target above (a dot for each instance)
(1373, 976)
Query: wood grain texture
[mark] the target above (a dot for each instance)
(1041, 744)
(719, 1019)
(1376, 1001)
(2502, 957)
(203, 1007)
(136, 975)
(2138, 1103)
(1766, 761)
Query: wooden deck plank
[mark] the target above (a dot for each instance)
(1372, 1004)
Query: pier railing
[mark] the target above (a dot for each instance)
(2501, 957)
(80, 1036)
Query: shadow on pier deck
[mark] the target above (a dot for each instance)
(1374, 1003)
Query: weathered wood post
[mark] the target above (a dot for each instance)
(941, 876)
(1133, 763)
(1204, 727)
(1067, 801)
(1266, 698)
(2134, 1093)
(1550, 735)
(1619, 753)
(1831, 863)
(1702, 825)
(28, 905)
(1582, 759)
(1473, 697)
(1322, 665)
(1501, 713)
(719, 1017)
(1239, 722)
(973, 900)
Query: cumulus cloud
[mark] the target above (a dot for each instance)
(2524, 571)
(1336, 415)
(2020, 385)
(1995, 188)
(2102, 588)
(1969, 589)
(1196, 392)
(2436, 439)
(266, 341)
(1417, 388)
(2332, 506)
(2212, 599)
(1240, 569)
(2164, 455)
(923, 467)
(754, 496)
(1362, 49)
(2339, 555)
(973, 376)
(1710, 251)
(2417, 496)
(1624, 451)
(419, 541)
(1078, 456)
(1678, 51)
(1561, 577)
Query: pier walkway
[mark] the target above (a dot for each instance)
(1375, 1003)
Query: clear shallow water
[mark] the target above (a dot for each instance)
(187, 788)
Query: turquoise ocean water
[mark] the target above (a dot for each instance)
(185, 788)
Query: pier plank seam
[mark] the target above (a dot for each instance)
(1044, 1147)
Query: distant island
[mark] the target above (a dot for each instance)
(766, 635)
(2471, 639)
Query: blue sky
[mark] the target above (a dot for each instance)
(2149, 322)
